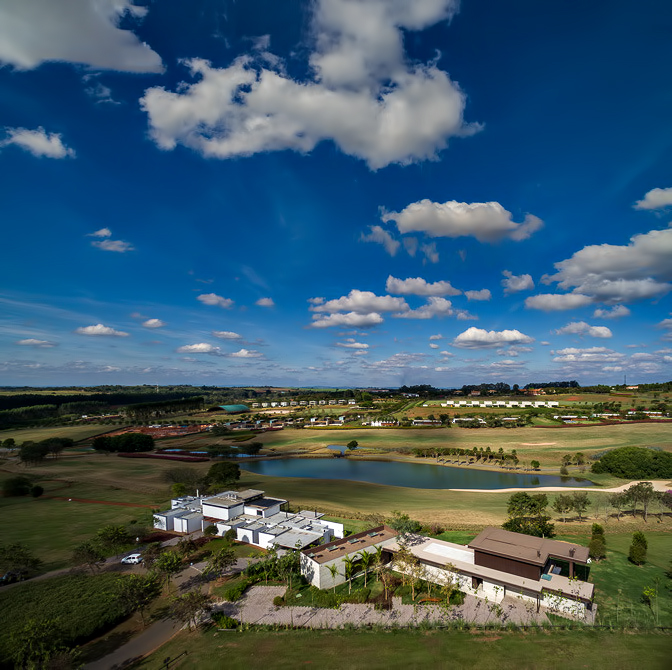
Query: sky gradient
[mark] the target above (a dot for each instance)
(335, 193)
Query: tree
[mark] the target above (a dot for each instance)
(353, 444)
(618, 501)
(527, 514)
(580, 502)
(638, 548)
(167, 564)
(403, 524)
(366, 558)
(220, 561)
(562, 505)
(223, 474)
(349, 562)
(597, 548)
(333, 570)
(186, 546)
(186, 608)
(17, 558)
(643, 492)
(535, 464)
(32, 453)
(88, 554)
(16, 486)
(566, 459)
(112, 539)
(136, 592)
(36, 491)
(36, 643)
(178, 490)
(9, 444)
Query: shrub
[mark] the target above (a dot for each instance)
(360, 596)
(278, 601)
(638, 548)
(16, 486)
(210, 531)
(457, 598)
(224, 621)
(635, 463)
(235, 591)
(230, 534)
(597, 548)
(36, 491)
(597, 530)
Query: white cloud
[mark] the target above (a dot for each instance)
(514, 283)
(113, 245)
(361, 302)
(419, 286)
(351, 319)
(379, 235)
(226, 335)
(430, 253)
(101, 94)
(590, 355)
(553, 302)
(665, 323)
(656, 198)
(448, 354)
(265, 302)
(486, 221)
(616, 274)
(153, 323)
(615, 312)
(582, 328)
(433, 345)
(316, 301)
(200, 348)
(362, 94)
(434, 306)
(76, 31)
(411, 245)
(483, 294)
(435, 337)
(351, 343)
(103, 232)
(38, 142)
(464, 315)
(478, 338)
(246, 353)
(40, 344)
(215, 300)
(100, 329)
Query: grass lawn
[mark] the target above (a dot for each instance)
(411, 649)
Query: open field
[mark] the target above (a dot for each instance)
(414, 649)
(75, 432)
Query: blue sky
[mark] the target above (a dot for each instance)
(338, 192)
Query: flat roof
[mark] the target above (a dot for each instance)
(265, 503)
(526, 548)
(351, 544)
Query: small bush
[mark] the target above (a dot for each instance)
(210, 531)
(597, 548)
(221, 620)
(278, 601)
(36, 491)
(235, 591)
(16, 486)
(230, 534)
(638, 548)
(457, 598)
(360, 596)
(597, 530)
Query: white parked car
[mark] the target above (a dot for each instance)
(132, 559)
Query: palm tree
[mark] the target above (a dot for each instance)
(333, 569)
(349, 570)
(366, 562)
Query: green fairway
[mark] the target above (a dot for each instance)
(75, 432)
(411, 649)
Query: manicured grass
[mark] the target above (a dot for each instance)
(414, 649)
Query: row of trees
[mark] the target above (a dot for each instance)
(33, 453)
(125, 443)
(186, 481)
(635, 463)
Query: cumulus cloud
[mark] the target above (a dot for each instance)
(433, 345)
(486, 221)
(215, 300)
(419, 286)
(618, 274)
(514, 283)
(38, 142)
(40, 344)
(350, 319)
(582, 328)
(351, 343)
(76, 31)
(113, 245)
(103, 232)
(361, 93)
(153, 323)
(434, 307)
(590, 355)
(614, 312)
(380, 236)
(226, 335)
(483, 294)
(435, 337)
(246, 353)
(100, 329)
(656, 198)
(199, 348)
(479, 338)
(265, 302)
(555, 302)
(361, 302)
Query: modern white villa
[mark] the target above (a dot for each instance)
(256, 519)
(497, 564)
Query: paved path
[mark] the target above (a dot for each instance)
(256, 607)
(658, 485)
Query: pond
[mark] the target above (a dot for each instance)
(413, 475)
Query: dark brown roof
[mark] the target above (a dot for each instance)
(526, 548)
(351, 544)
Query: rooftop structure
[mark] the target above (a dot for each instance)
(235, 409)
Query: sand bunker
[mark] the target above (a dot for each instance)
(537, 444)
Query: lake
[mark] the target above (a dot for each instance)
(412, 475)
